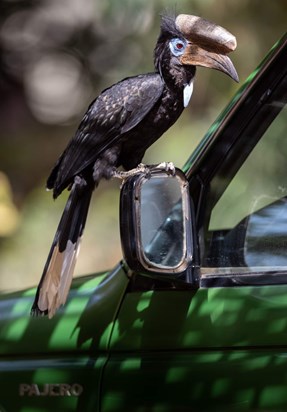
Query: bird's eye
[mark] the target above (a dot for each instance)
(177, 47)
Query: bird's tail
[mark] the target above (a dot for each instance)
(58, 271)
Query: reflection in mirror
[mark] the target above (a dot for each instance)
(162, 221)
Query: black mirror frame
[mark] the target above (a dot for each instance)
(129, 226)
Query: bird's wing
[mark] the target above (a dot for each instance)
(116, 111)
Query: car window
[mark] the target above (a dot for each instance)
(246, 223)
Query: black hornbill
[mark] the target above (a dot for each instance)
(118, 127)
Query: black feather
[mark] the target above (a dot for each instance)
(116, 111)
(70, 228)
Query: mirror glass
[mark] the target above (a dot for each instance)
(162, 230)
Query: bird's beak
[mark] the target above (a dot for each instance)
(197, 56)
(208, 44)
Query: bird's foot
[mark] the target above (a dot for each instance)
(141, 168)
(167, 167)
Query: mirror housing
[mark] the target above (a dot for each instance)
(155, 223)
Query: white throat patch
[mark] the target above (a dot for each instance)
(187, 92)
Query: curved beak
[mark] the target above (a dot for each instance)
(208, 44)
(197, 56)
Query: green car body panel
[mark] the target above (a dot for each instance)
(220, 349)
(57, 364)
(115, 348)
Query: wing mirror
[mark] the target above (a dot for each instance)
(155, 223)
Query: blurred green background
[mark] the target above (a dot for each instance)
(55, 57)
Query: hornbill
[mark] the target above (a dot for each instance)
(118, 127)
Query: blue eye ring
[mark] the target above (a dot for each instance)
(177, 46)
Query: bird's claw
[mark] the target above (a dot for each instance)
(168, 167)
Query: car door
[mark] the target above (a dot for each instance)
(222, 346)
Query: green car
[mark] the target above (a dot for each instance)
(194, 318)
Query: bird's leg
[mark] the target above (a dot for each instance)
(167, 167)
(141, 168)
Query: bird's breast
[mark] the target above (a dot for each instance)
(164, 114)
(160, 118)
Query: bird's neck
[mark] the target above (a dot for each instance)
(176, 77)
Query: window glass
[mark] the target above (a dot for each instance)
(247, 224)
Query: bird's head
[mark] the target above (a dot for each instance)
(193, 41)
